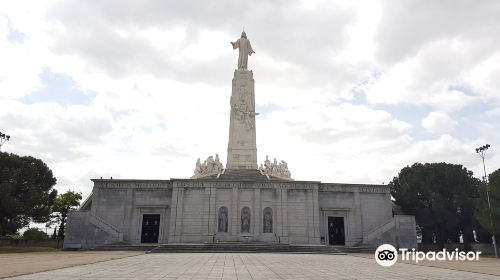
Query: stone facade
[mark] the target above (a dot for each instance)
(218, 210)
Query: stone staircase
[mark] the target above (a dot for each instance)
(105, 226)
(119, 246)
(234, 247)
(253, 247)
(361, 249)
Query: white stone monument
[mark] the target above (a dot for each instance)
(241, 203)
(242, 146)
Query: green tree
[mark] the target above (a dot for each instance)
(35, 234)
(482, 208)
(26, 192)
(441, 196)
(62, 204)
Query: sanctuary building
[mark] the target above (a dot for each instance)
(243, 202)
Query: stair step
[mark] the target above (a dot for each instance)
(244, 247)
(234, 247)
(119, 247)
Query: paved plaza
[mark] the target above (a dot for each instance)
(13, 264)
(249, 266)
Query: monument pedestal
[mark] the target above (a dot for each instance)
(242, 146)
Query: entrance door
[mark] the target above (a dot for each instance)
(336, 234)
(150, 228)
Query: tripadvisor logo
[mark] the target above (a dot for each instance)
(387, 255)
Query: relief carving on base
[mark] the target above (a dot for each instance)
(245, 116)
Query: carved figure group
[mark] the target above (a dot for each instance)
(275, 168)
(209, 166)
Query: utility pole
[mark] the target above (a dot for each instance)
(3, 138)
(482, 153)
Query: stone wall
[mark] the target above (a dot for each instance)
(363, 207)
(199, 204)
(399, 231)
(116, 213)
(190, 211)
(82, 233)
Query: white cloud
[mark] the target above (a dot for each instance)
(407, 27)
(340, 142)
(439, 122)
(441, 75)
(159, 73)
(493, 112)
(484, 77)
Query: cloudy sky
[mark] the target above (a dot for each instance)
(347, 92)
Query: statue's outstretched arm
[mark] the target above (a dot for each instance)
(235, 44)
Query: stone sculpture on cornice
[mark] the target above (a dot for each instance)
(208, 167)
(275, 169)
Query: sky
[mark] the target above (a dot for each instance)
(347, 91)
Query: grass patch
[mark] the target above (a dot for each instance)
(10, 249)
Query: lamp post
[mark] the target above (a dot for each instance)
(482, 152)
(3, 138)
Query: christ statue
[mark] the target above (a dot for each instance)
(243, 44)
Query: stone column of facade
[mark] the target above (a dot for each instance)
(242, 146)
(279, 211)
(257, 213)
(310, 215)
(177, 214)
(128, 214)
(173, 215)
(313, 216)
(282, 214)
(205, 229)
(213, 217)
(284, 205)
(316, 215)
(356, 234)
(235, 213)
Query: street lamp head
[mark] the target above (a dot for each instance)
(477, 150)
(8, 137)
(487, 146)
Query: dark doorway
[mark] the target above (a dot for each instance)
(150, 228)
(336, 234)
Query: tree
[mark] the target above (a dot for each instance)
(483, 213)
(441, 196)
(62, 204)
(25, 192)
(35, 234)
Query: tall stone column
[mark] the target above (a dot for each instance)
(242, 146)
